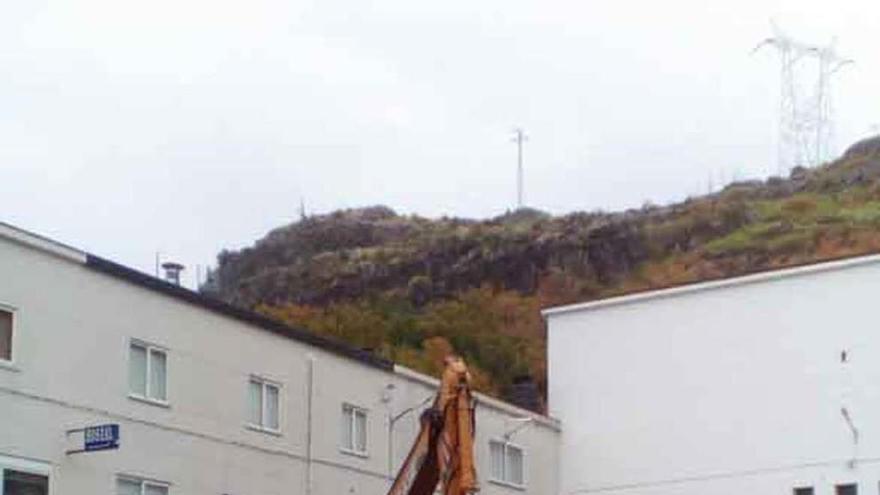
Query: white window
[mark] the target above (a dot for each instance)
(264, 409)
(354, 429)
(507, 463)
(147, 372)
(133, 486)
(6, 321)
(20, 476)
(847, 489)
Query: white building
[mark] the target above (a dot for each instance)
(210, 400)
(764, 384)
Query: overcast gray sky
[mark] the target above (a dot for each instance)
(187, 126)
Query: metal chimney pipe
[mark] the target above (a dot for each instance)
(172, 272)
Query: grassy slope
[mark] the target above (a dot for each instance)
(476, 304)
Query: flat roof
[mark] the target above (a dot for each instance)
(809, 268)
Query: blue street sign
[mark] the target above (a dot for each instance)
(101, 437)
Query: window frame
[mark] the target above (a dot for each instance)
(351, 420)
(33, 467)
(143, 482)
(150, 349)
(507, 444)
(13, 314)
(264, 383)
(839, 486)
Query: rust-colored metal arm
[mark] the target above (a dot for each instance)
(444, 448)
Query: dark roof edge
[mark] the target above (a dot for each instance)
(152, 283)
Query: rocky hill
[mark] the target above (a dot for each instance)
(412, 288)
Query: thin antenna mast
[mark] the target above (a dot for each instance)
(519, 137)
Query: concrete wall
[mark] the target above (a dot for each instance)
(730, 390)
(72, 331)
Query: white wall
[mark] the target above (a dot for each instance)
(732, 390)
(72, 330)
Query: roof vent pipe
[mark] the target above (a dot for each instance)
(172, 272)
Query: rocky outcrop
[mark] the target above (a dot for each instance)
(405, 281)
(865, 147)
(350, 254)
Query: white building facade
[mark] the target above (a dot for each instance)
(764, 384)
(209, 400)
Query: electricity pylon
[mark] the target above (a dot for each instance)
(829, 63)
(806, 115)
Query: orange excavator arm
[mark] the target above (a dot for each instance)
(443, 452)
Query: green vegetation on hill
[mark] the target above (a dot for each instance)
(413, 289)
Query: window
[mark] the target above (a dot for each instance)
(804, 490)
(507, 463)
(263, 405)
(19, 482)
(147, 372)
(5, 335)
(131, 486)
(848, 489)
(23, 477)
(354, 429)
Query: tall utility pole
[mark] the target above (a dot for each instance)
(519, 137)
(805, 119)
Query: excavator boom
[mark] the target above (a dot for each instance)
(443, 452)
